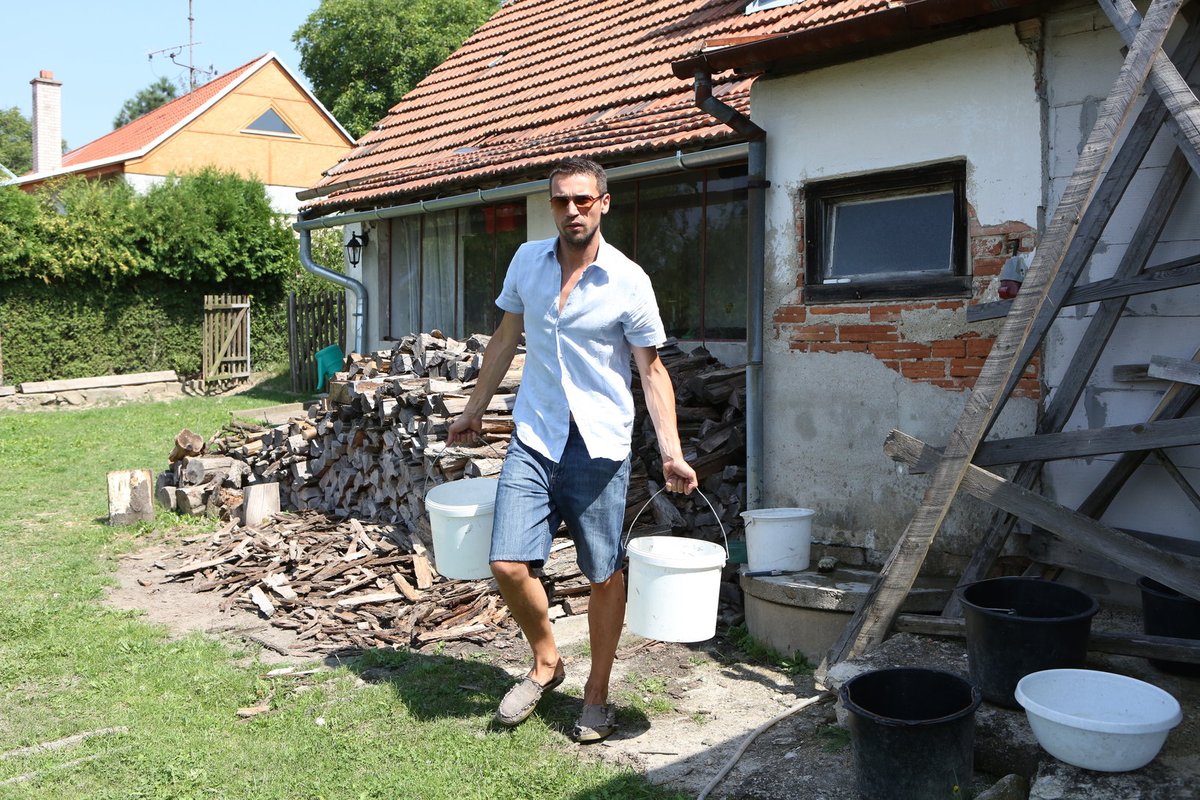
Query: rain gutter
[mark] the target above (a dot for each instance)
(756, 212)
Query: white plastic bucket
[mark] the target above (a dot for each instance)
(674, 586)
(460, 514)
(778, 539)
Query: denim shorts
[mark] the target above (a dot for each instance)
(536, 494)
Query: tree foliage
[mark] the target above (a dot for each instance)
(159, 93)
(208, 226)
(362, 56)
(16, 141)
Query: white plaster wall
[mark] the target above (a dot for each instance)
(1082, 60)
(827, 415)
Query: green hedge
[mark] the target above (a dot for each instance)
(96, 279)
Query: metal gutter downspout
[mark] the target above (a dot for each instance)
(756, 202)
(345, 281)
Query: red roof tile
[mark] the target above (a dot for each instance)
(129, 140)
(547, 78)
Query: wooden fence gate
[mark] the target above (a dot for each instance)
(313, 323)
(226, 339)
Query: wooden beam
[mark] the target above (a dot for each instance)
(98, 382)
(1168, 648)
(1177, 476)
(869, 624)
(1092, 442)
(1179, 370)
(1180, 572)
(1176, 274)
(1177, 96)
(1172, 405)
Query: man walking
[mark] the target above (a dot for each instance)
(584, 309)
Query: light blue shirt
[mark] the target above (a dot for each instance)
(577, 362)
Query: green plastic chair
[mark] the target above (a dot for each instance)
(329, 361)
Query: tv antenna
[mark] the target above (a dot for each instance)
(173, 52)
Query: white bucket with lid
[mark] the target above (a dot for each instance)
(674, 586)
(778, 539)
(460, 515)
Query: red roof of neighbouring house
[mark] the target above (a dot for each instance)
(154, 127)
(544, 79)
(145, 130)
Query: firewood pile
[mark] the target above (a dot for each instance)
(344, 563)
(376, 443)
(345, 585)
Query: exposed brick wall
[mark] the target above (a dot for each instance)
(897, 332)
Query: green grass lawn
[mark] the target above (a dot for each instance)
(397, 725)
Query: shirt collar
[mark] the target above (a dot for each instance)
(604, 253)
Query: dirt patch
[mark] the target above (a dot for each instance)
(685, 709)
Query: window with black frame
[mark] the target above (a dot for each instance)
(689, 232)
(899, 234)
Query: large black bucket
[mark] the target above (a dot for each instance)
(1016, 626)
(1166, 612)
(913, 732)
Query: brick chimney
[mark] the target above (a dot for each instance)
(47, 122)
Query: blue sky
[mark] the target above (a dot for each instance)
(99, 49)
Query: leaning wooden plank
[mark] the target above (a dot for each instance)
(1180, 572)
(99, 382)
(1123, 644)
(1104, 320)
(869, 624)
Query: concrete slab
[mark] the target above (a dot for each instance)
(805, 612)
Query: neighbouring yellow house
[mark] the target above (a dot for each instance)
(258, 120)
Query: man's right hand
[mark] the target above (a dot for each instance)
(465, 429)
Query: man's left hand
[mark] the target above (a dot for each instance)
(679, 476)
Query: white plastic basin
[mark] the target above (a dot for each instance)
(1097, 720)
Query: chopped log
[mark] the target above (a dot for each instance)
(130, 496)
(202, 469)
(262, 500)
(186, 444)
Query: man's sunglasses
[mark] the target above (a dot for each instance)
(582, 201)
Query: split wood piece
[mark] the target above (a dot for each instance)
(1179, 571)
(405, 588)
(422, 567)
(261, 501)
(198, 567)
(260, 599)
(1124, 644)
(869, 624)
(130, 496)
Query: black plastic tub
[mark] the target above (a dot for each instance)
(913, 732)
(1166, 612)
(1016, 626)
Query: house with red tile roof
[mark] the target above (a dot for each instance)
(258, 120)
(821, 189)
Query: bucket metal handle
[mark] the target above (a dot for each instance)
(646, 505)
(442, 452)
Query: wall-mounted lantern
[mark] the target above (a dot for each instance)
(355, 246)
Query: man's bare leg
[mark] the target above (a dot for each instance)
(527, 602)
(606, 615)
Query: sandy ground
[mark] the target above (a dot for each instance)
(705, 699)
